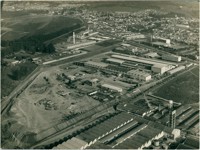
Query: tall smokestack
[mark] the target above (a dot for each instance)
(74, 38)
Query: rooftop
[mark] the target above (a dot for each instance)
(115, 60)
(112, 87)
(99, 64)
(142, 60)
(140, 73)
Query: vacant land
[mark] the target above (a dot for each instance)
(46, 102)
(183, 88)
(31, 25)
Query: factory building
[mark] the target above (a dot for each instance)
(140, 75)
(157, 66)
(111, 87)
(176, 70)
(167, 41)
(141, 60)
(133, 37)
(115, 61)
(95, 64)
(189, 143)
(121, 131)
(171, 58)
(160, 68)
(73, 143)
(151, 55)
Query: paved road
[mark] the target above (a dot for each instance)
(84, 56)
(63, 58)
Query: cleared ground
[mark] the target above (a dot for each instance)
(41, 105)
(183, 88)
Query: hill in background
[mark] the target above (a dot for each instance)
(15, 28)
(187, 8)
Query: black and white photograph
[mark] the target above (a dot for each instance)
(100, 74)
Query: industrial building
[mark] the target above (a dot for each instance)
(95, 64)
(140, 108)
(134, 59)
(73, 143)
(121, 131)
(142, 139)
(115, 61)
(140, 75)
(189, 143)
(133, 37)
(157, 66)
(176, 70)
(167, 41)
(171, 58)
(160, 68)
(151, 55)
(112, 87)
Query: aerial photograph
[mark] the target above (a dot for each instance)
(100, 74)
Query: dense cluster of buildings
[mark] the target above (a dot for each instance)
(123, 131)
(130, 127)
(116, 24)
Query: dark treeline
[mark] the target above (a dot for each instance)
(20, 71)
(34, 43)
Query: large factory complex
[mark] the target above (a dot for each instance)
(122, 131)
(150, 122)
(114, 75)
(110, 95)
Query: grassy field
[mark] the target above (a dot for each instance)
(35, 25)
(183, 88)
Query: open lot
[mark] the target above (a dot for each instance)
(183, 88)
(30, 25)
(48, 101)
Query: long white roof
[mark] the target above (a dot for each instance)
(143, 60)
(112, 87)
(115, 60)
